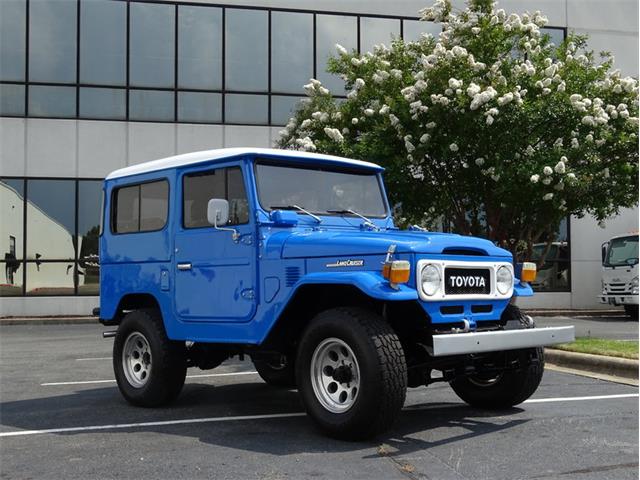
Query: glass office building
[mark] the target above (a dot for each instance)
(89, 86)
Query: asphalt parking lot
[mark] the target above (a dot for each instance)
(613, 326)
(63, 417)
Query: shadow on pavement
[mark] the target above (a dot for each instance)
(280, 436)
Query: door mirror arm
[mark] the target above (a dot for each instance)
(218, 213)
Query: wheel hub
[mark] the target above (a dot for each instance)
(343, 374)
(136, 359)
(335, 375)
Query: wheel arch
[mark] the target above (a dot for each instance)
(306, 302)
(133, 301)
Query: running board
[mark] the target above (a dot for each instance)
(478, 342)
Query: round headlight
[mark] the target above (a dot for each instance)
(431, 279)
(504, 280)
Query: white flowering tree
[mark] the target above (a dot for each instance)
(490, 126)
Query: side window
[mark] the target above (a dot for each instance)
(199, 188)
(140, 208)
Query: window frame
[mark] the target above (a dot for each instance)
(113, 210)
(203, 172)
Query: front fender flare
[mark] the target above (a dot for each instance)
(521, 289)
(370, 283)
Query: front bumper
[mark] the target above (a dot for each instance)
(479, 342)
(619, 299)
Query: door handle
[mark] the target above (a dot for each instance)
(184, 266)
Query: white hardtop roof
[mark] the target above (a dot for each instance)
(222, 153)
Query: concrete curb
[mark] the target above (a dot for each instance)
(599, 364)
(48, 321)
(572, 313)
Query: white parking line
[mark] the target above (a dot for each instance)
(151, 424)
(119, 426)
(88, 382)
(577, 399)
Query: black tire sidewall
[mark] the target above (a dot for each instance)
(168, 369)
(356, 420)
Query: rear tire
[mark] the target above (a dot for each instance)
(150, 369)
(281, 376)
(507, 388)
(351, 373)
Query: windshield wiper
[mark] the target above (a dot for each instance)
(296, 207)
(367, 222)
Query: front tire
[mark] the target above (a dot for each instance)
(351, 373)
(150, 369)
(507, 388)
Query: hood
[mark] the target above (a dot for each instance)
(337, 244)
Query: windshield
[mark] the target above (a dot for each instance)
(320, 190)
(622, 251)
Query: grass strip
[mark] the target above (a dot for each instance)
(602, 346)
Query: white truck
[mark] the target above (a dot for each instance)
(620, 273)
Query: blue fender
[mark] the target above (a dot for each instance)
(522, 289)
(370, 283)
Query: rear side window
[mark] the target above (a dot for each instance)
(140, 208)
(199, 188)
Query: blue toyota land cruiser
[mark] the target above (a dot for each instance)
(293, 259)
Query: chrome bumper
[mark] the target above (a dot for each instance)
(477, 342)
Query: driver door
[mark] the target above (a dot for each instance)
(214, 274)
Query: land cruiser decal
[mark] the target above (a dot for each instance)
(346, 263)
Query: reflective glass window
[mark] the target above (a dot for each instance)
(554, 274)
(11, 278)
(332, 29)
(374, 31)
(12, 99)
(107, 103)
(556, 34)
(412, 30)
(13, 20)
(52, 40)
(199, 107)
(103, 42)
(199, 188)
(50, 278)
(89, 205)
(282, 109)
(12, 223)
(199, 47)
(291, 51)
(50, 101)
(246, 109)
(151, 60)
(151, 105)
(51, 210)
(247, 52)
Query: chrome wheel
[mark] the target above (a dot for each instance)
(136, 360)
(335, 375)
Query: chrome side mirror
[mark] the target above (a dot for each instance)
(218, 214)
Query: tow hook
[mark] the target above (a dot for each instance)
(466, 329)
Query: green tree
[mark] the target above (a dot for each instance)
(490, 126)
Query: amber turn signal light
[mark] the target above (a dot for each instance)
(399, 271)
(529, 272)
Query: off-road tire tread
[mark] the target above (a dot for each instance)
(392, 370)
(169, 364)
